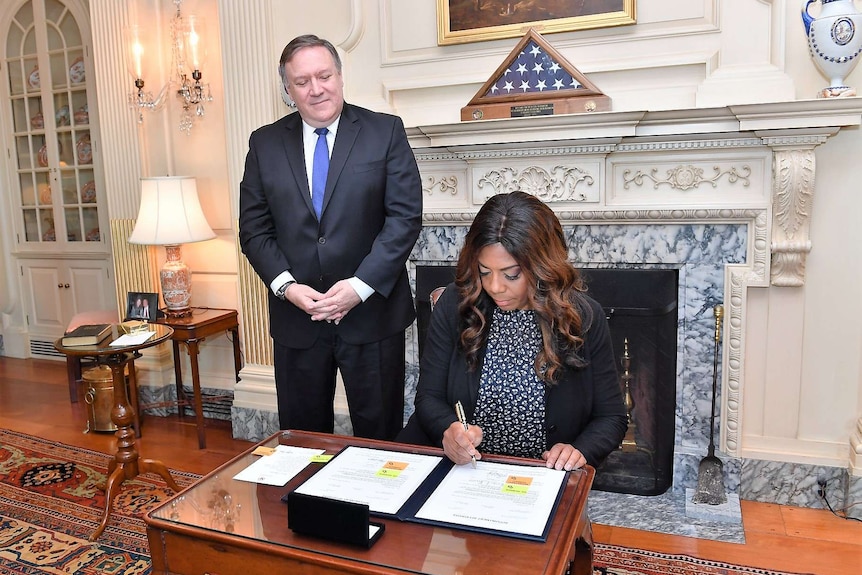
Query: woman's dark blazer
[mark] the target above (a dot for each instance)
(584, 408)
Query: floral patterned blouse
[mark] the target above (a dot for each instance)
(511, 404)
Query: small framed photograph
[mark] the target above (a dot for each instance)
(143, 306)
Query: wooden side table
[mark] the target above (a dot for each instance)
(191, 330)
(126, 463)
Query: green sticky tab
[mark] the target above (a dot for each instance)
(387, 472)
(322, 458)
(515, 489)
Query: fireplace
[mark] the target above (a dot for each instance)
(696, 255)
(641, 307)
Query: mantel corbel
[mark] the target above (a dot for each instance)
(793, 171)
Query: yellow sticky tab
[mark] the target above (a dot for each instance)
(517, 485)
(261, 450)
(392, 469)
(322, 458)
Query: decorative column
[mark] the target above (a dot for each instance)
(121, 159)
(251, 100)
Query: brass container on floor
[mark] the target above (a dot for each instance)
(99, 396)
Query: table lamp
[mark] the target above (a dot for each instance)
(170, 215)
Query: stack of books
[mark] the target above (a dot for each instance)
(88, 334)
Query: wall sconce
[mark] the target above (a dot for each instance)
(188, 53)
(139, 61)
(170, 215)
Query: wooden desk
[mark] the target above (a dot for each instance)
(191, 330)
(228, 527)
(126, 463)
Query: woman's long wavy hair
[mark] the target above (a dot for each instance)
(530, 231)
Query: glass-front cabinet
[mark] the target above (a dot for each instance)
(51, 170)
(46, 72)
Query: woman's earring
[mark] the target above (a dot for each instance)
(540, 294)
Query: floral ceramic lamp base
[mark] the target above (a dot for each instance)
(176, 283)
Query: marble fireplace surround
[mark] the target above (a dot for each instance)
(721, 194)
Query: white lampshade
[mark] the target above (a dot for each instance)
(170, 213)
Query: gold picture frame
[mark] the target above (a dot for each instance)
(462, 21)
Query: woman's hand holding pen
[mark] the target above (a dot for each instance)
(459, 444)
(563, 456)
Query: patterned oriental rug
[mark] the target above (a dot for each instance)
(613, 560)
(51, 501)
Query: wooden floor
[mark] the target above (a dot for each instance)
(34, 400)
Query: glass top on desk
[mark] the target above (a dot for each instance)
(243, 513)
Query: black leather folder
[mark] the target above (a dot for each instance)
(341, 521)
(407, 512)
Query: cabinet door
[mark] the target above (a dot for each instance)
(55, 180)
(59, 289)
(90, 287)
(43, 282)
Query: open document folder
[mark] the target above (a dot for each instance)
(502, 498)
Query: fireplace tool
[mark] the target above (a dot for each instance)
(710, 479)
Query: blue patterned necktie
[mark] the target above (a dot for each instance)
(319, 170)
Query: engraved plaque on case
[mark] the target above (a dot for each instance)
(527, 110)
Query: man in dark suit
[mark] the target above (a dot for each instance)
(332, 255)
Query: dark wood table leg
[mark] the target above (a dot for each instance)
(73, 373)
(178, 374)
(584, 551)
(134, 402)
(125, 464)
(237, 358)
(196, 391)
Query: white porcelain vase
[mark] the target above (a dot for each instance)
(834, 41)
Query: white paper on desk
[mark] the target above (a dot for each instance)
(279, 467)
(499, 496)
(381, 479)
(132, 338)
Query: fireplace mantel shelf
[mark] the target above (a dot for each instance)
(820, 115)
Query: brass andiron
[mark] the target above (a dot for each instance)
(629, 443)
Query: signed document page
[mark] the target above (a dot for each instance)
(383, 480)
(496, 496)
(278, 466)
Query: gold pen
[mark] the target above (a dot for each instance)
(459, 409)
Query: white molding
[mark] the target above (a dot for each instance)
(256, 389)
(831, 454)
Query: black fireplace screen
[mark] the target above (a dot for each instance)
(641, 306)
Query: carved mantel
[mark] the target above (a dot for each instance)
(752, 165)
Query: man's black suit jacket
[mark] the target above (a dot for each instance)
(371, 217)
